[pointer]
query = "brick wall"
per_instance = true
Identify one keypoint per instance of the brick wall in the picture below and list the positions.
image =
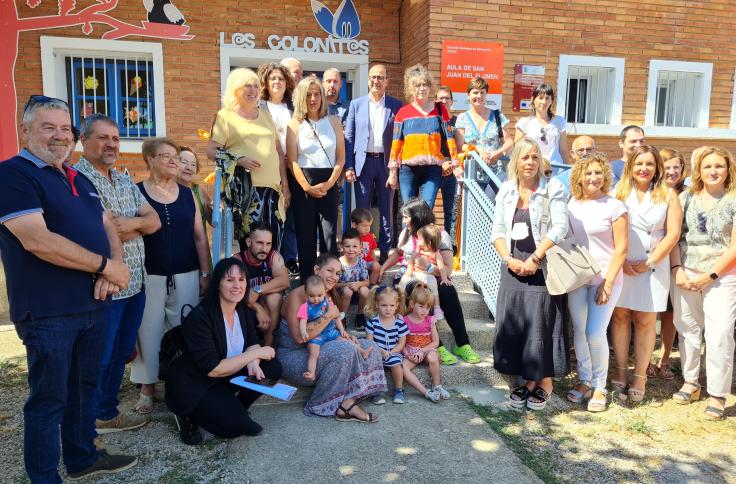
(402, 33)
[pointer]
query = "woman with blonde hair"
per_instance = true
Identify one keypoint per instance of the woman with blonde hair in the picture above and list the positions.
(529, 219)
(598, 222)
(315, 147)
(705, 278)
(247, 134)
(675, 174)
(423, 140)
(655, 217)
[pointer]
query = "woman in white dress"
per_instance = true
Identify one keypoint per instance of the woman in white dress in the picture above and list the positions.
(654, 229)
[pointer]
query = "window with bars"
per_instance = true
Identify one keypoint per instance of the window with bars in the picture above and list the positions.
(590, 90)
(590, 94)
(678, 99)
(119, 87)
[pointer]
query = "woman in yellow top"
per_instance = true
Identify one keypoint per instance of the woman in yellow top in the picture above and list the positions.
(249, 134)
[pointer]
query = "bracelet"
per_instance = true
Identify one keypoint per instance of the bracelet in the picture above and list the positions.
(505, 260)
(675, 267)
(103, 264)
(536, 258)
(204, 275)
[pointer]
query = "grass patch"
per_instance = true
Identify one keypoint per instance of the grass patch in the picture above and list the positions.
(509, 426)
(12, 375)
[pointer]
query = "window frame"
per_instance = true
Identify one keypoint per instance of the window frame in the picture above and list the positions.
(657, 65)
(618, 64)
(54, 51)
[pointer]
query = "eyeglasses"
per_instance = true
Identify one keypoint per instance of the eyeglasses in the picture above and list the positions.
(377, 78)
(582, 151)
(41, 99)
(544, 135)
(168, 157)
(702, 227)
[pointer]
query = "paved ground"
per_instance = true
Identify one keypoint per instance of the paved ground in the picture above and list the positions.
(417, 442)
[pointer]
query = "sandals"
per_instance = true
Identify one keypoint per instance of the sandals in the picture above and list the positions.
(636, 395)
(577, 396)
(349, 417)
(598, 402)
(652, 371)
(519, 396)
(715, 413)
(665, 373)
(144, 405)
(683, 398)
(618, 385)
(542, 397)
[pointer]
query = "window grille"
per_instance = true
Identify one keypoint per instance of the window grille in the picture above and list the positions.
(119, 87)
(678, 99)
(590, 92)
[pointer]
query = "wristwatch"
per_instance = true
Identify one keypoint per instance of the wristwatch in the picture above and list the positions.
(505, 260)
(258, 289)
(204, 275)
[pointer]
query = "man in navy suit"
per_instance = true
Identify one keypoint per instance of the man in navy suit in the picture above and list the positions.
(368, 134)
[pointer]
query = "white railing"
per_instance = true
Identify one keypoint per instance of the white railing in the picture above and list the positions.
(478, 256)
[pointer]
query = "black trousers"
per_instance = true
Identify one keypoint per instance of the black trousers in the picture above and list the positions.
(450, 304)
(223, 411)
(312, 215)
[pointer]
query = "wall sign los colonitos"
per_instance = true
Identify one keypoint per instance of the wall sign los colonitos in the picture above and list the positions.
(342, 26)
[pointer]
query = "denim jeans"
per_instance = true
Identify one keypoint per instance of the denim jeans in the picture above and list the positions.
(123, 320)
(423, 181)
(449, 188)
(63, 366)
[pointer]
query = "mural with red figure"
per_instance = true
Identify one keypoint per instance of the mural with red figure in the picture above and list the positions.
(164, 21)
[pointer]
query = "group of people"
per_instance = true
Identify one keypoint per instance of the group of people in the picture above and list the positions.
(121, 265)
(663, 243)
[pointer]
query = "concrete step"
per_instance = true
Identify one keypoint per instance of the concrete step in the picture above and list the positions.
(481, 332)
(473, 304)
(454, 377)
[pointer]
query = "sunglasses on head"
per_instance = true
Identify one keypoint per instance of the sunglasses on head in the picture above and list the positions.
(544, 135)
(41, 99)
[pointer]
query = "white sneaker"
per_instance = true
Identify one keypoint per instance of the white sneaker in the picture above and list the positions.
(441, 392)
(432, 396)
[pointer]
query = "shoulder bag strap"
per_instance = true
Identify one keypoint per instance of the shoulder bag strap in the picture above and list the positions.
(497, 117)
(316, 135)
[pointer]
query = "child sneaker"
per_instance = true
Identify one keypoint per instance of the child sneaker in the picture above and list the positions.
(441, 392)
(432, 396)
(378, 399)
(399, 396)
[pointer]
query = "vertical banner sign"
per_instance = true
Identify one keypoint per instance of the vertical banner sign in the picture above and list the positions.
(464, 60)
(526, 78)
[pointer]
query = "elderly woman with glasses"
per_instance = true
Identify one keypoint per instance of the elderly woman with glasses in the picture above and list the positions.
(705, 279)
(177, 261)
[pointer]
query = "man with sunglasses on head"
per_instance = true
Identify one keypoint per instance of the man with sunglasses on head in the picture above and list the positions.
(368, 135)
(63, 259)
(582, 147)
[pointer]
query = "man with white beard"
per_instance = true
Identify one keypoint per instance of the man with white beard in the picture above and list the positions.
(62, 259)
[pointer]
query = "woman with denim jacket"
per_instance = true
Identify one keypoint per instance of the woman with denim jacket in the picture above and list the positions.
(531, 338)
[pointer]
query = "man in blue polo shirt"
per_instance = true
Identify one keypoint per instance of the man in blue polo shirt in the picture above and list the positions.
(62, 259)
